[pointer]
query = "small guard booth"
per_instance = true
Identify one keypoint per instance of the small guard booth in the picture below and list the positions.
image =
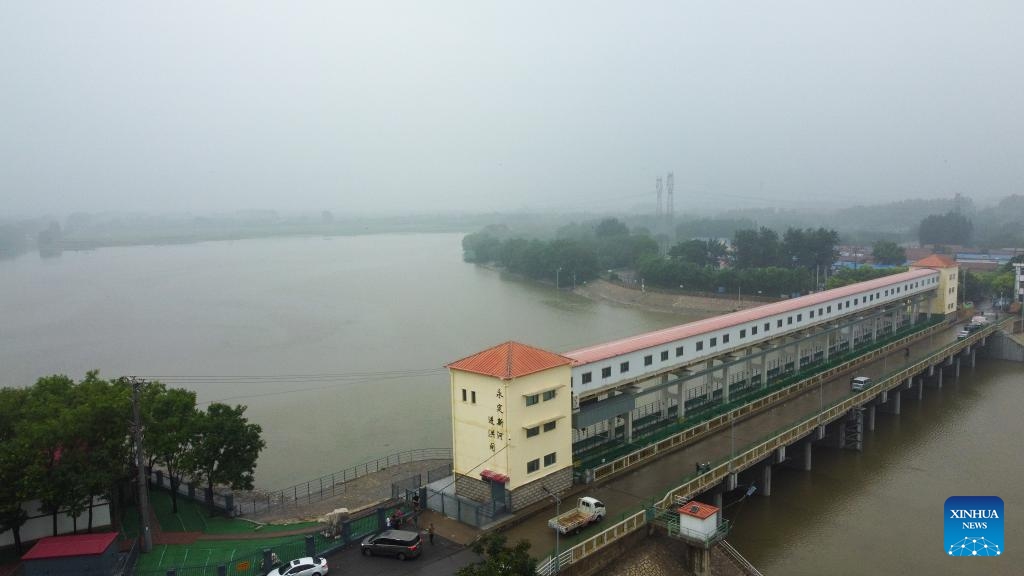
(75, 555)
(698, 521)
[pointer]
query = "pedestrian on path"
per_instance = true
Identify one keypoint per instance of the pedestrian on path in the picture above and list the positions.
(430, 533)
(387, 522)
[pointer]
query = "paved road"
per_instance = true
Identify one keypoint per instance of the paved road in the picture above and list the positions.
(654, 480)
(441, 559)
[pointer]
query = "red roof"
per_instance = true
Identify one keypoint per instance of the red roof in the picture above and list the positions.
(936, 261)
(660, 337)
(510, 360)
(698, 509)
(494, 476)
(75, 545)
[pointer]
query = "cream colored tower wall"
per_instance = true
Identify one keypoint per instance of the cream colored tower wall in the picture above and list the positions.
(471, 427)
(555, 411)
(947, 295)
(505, 419)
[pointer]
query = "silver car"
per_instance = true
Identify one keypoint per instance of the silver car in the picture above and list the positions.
(307, 566)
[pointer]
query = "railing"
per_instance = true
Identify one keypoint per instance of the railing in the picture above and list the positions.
(330, 485)
(738, 558)
(593, 544)
(690, 434)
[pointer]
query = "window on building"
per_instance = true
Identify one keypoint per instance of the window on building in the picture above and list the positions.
(549, 426)
(679, 351)
(829, 309)
(531, 432)
(767, 326)
(587, 378)
(549, 459)
(700, 345)
(799, 317)
(549, 395)
(743, 332)
(789, 320)
(532, 399)
(713, 342)
(606, 372)
(463, 394)
(855, 301)
(725, 338)
(820, 311)
(472, 397)
(753, 330)
(648, 360)
(812, 313)
(779, 324)
(623, 367)
(664, 355)
(533, 466)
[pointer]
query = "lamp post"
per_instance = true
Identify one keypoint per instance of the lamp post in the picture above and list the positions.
(558, 512)
(558, 271)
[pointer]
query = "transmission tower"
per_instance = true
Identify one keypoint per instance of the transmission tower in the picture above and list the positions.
(670, 184)
(657, 187)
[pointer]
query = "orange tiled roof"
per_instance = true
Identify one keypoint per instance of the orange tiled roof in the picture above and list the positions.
(698, 509)
(509, 360)
(936, 261)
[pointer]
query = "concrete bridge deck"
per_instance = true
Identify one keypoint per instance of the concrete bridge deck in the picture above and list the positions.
(641, 487)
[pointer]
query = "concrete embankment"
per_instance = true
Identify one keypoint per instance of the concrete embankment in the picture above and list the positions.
(690, 305)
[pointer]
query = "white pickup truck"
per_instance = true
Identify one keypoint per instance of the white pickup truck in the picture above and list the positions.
(588, 511)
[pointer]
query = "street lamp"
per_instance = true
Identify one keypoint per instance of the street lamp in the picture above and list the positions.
(557, 273)
(558, 512)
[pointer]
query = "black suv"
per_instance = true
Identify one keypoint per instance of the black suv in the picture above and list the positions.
(401, 544)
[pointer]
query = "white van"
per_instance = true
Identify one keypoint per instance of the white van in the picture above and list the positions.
(860, 383)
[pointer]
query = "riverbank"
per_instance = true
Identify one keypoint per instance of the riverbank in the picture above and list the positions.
(682, 304)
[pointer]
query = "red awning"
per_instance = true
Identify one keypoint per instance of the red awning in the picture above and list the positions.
(493, 476)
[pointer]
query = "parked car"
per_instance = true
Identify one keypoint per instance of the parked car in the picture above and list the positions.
(307, 566)
(401, 544)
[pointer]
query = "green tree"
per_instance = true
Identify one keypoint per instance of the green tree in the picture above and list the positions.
(499, 559)
(949, 228)
(610, 228)
(170, 430)
(887, 252)
(17, 463)
(225, 449)
(699, 252)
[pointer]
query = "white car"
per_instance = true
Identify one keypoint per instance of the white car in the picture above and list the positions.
(307, 566)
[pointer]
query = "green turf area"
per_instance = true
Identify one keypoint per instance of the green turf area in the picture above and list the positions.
(242, 557)
(193, 516)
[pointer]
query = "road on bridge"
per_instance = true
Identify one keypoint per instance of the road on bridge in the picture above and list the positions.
(653, 481)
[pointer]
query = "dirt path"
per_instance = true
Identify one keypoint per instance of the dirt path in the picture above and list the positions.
(688, 306)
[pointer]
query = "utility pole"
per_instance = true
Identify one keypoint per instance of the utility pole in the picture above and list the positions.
(144, 533)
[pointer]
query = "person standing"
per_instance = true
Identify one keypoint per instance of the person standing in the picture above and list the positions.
(430, 533)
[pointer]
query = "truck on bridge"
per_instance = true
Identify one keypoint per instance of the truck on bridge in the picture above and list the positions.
(587, 511)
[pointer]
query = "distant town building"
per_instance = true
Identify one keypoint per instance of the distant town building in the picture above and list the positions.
(949, 282)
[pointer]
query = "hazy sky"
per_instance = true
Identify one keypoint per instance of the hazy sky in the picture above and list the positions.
(378, 106)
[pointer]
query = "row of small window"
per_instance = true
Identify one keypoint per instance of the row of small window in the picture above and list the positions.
(548, 427)
(534, 465)
(535, 398)
(606, 372)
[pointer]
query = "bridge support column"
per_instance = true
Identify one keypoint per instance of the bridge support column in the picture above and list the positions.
(766, 480)
(920, 388)
(698, 560)
(612, 425)
(680, 402)
(627, 430)
(972, 357)
(931, 370)
(871, 417)
(958, 367)
(664, 398)
(910, 382)
(780, 454)
(940, 376)
(731, 481)
(717, 498)
(895, 399)
(808, 449)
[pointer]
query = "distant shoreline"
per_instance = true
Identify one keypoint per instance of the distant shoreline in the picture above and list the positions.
(652, 300)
